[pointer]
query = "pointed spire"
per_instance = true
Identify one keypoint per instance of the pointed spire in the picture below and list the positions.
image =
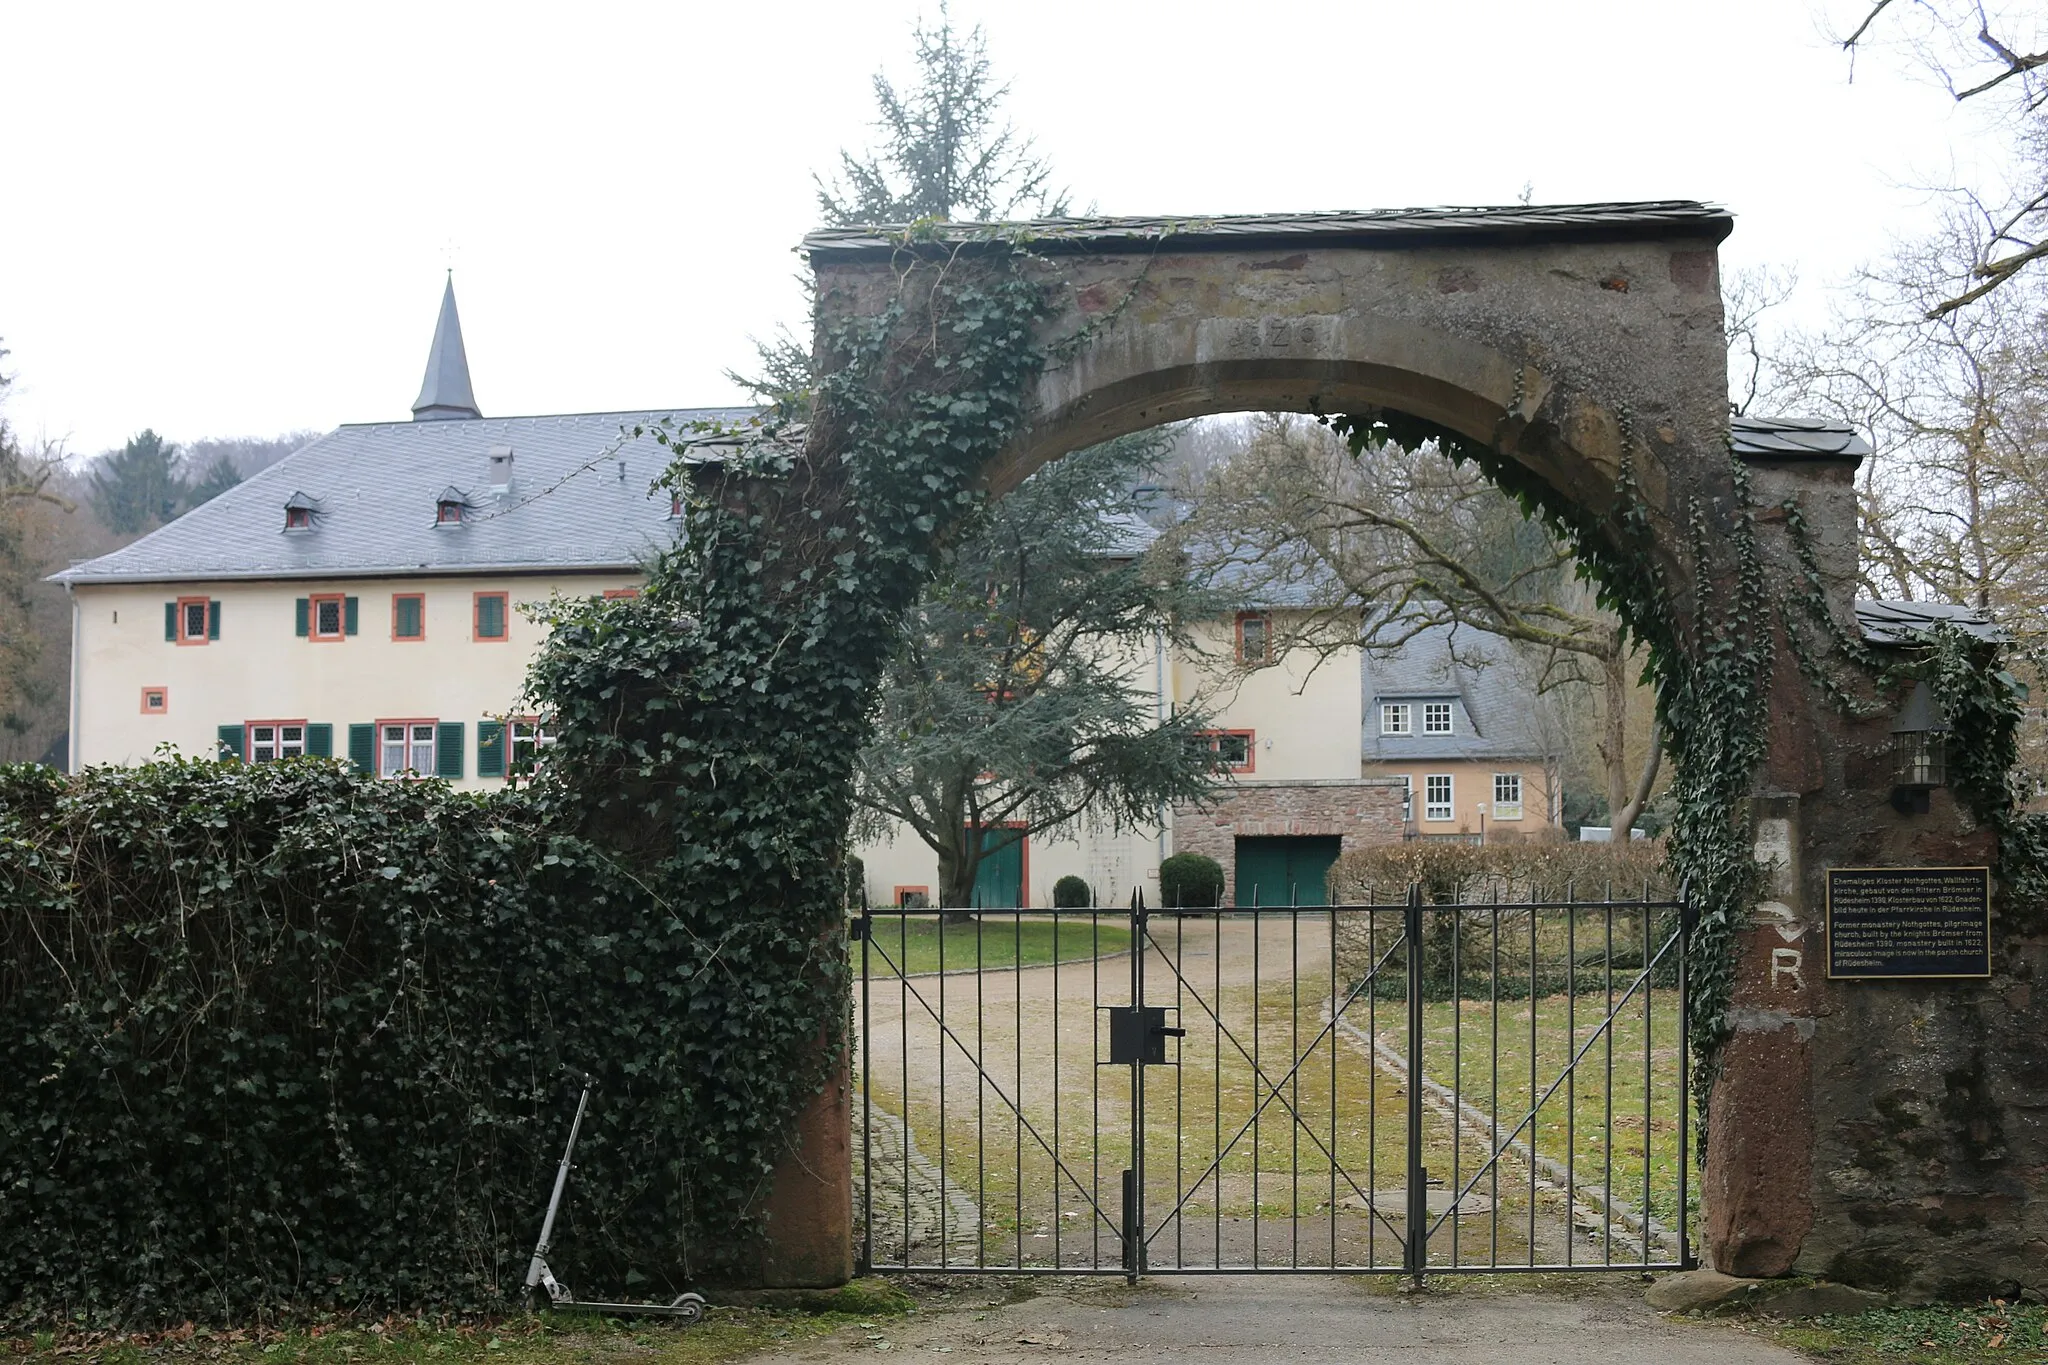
(445, 392)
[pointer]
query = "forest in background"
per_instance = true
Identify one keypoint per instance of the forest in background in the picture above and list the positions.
(57, 509)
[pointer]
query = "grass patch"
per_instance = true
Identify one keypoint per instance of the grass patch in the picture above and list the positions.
(545, 1339)
(923, 943)
(1943, 1334)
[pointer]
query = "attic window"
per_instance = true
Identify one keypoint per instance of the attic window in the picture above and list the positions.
(447, 513)
(298, 519)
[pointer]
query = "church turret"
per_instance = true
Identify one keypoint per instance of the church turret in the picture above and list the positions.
(445, 392)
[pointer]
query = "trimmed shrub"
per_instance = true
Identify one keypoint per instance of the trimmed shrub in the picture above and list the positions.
(1071, 893)
(856, 882)
(1191, 881)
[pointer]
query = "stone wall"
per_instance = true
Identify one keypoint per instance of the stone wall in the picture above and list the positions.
(1362, 813)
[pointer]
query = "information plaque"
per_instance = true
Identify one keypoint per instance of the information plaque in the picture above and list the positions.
(1888, 923)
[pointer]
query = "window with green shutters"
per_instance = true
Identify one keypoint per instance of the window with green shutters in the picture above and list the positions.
(320, 741)
(490, 616)
(230, 744)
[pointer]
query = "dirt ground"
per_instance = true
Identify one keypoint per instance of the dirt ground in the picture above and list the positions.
(1225, 1320)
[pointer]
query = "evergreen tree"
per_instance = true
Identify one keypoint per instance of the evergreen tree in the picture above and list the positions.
(137, 487)
(1023, 696)
(943, 152)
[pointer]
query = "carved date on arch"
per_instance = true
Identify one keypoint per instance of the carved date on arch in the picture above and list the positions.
(1279, 336)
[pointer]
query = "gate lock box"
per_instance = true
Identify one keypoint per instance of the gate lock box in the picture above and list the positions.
(1138, 1033)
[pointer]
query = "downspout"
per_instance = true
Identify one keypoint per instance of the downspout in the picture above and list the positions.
(77, 692)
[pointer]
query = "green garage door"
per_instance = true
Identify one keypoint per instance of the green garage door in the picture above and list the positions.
(999, 877)
(1286, 871)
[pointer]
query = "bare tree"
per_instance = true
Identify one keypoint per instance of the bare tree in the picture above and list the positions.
(1993, 56)
(1392, 542)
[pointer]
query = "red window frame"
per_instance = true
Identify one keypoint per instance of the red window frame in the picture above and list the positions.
(418, 597)
(612, 594)
(298, 519)
(1251, 747)
(476, 607)
(340, 601)
(448, 513)
(1264, 618)
(205, 605)
(163, 696)
(897, 893)
(249, 737)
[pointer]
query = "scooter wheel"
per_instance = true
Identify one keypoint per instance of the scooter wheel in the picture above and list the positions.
(688, 1307)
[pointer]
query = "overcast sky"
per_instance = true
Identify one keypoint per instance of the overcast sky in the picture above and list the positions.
(234, 220)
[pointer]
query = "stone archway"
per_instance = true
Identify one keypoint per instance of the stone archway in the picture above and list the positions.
(1568, 340)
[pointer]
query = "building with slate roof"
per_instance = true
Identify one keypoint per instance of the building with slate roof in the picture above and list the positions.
(363, 596)
(1455, 718)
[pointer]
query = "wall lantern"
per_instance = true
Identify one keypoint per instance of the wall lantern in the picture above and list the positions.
(1920, 744)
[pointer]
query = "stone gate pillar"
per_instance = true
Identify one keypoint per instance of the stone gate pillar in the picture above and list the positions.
(1886, 1134)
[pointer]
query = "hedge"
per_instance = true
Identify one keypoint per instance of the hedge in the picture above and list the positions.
(283, 1038)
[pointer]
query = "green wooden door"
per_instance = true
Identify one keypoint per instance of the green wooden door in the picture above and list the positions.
(1292, 870)
(999, 877)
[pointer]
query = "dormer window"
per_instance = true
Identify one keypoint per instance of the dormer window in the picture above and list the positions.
(298, 513)
(448, 508)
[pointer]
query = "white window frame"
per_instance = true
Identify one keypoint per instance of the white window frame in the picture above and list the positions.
(1507, 796)
(1432, 712)
(1433, 809)
(399, 755)
(284, 739)
(1396, 718)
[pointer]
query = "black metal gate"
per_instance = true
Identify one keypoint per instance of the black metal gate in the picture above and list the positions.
(1404, 1086)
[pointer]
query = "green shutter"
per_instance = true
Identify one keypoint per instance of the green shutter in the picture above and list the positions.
(448, 749)
(350, 614)
(230, 744)
(302, 616)
(362, 744)
(213, 620)
(490, 748)
(320, 741)
(171, 621)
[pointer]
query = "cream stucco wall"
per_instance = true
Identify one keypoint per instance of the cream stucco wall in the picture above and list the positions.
(1303, 709)
(262, 670)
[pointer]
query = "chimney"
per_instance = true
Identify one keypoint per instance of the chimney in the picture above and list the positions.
(501, 469)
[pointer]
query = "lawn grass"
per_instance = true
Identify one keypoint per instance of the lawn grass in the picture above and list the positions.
(915, 944)
(1941, 1334)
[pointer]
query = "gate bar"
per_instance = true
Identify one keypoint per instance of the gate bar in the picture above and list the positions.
(1415, 1238)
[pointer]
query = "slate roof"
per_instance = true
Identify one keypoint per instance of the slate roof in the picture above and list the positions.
(579, 499)
(1494, 704)
(1902, 623)
(1376, 227)
(1795, 438)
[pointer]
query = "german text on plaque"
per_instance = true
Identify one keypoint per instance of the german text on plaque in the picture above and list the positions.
(1893, 922)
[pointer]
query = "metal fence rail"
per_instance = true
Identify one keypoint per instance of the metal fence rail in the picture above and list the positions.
(1386, 1086)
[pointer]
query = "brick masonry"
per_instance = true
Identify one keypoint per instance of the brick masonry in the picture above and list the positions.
(1362, 813)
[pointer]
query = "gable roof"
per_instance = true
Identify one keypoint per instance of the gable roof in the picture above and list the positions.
(579, 500)
(1495, 707)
